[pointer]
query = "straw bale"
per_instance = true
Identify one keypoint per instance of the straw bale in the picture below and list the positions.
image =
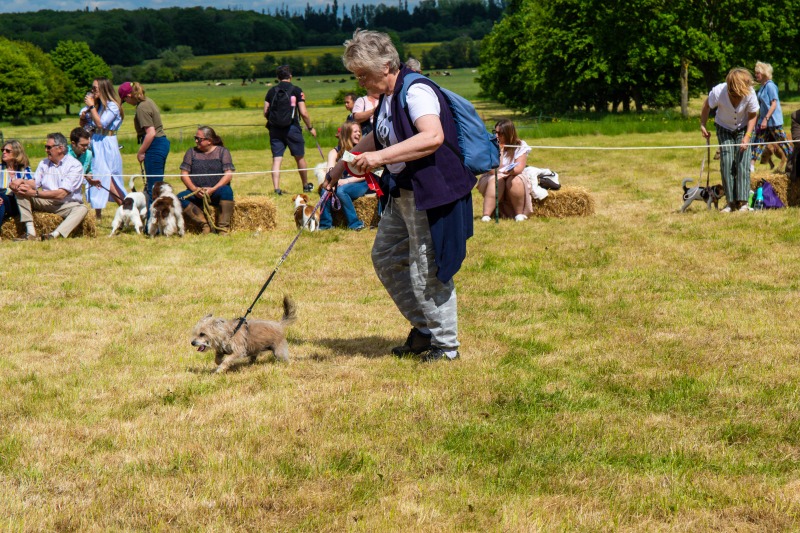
(779, 182)
(565, 202)
(252, 213)
(46, 223)
(366, 209)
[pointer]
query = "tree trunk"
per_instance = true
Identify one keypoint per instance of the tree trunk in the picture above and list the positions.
(684, 87)
(67, 111)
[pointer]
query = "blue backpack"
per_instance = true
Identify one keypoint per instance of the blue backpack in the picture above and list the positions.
(477, 148)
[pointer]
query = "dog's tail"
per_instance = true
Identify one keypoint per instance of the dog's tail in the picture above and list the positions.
(132, 183)
(319, 172)
(289, 312)
(687, 180)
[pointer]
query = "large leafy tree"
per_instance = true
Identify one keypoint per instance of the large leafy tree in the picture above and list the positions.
(558, 55)
(22, 88)
(54, 79)
(81, 67)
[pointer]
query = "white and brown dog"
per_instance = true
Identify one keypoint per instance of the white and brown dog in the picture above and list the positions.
(166, 213)
(710, 195)
(254, 337)
(303, 213)
(131, 213)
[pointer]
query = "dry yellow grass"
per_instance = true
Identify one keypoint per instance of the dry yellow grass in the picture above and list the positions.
(633, 370)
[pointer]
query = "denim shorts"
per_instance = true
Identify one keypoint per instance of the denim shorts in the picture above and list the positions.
(280, 138)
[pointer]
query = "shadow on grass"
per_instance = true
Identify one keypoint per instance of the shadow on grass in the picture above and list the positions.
(370, 347)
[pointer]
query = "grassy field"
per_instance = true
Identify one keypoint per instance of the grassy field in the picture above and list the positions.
(244, 125)
(636, 370)
(310, 54)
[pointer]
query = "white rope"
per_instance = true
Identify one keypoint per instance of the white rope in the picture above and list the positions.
(539, 147)
(610, 148)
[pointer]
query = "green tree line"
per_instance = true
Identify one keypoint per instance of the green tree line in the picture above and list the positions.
(128, 37)
(596, 55)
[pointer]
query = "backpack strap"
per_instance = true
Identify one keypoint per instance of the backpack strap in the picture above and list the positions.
(408, 81)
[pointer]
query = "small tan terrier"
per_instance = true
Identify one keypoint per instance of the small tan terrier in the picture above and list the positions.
(254, 337)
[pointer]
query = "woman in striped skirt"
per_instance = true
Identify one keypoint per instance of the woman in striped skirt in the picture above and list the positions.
(737, 111)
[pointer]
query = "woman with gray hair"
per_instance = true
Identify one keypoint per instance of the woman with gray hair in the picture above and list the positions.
(769, 126)
(427, 201)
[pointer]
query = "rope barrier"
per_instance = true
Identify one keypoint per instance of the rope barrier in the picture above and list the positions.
(538, 147)
(611, 148)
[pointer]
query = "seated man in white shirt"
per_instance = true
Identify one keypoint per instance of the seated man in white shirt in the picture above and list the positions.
(56, 188)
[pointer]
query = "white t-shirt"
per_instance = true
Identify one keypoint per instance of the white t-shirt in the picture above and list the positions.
(506, 161)
(363, 104)
(730, 117)
(421, 101)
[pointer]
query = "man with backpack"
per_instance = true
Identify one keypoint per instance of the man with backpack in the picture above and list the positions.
(284, 106)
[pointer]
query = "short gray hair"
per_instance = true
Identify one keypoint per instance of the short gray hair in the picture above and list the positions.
(370, 50)
(58, 139)
(413, 64)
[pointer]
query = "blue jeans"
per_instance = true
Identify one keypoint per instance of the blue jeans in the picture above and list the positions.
(223, 193)
(346, 194)
(9, 207)
(155, 159)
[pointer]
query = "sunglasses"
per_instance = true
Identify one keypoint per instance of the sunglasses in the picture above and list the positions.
(198, 139)
(49, 146)
(8, 151)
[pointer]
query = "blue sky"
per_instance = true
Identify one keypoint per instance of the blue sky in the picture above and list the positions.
(268, 5)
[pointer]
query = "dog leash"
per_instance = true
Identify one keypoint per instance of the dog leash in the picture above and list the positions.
(109, 192)
(206, 209)
(708, 168)
(319, 205)
(319, 148)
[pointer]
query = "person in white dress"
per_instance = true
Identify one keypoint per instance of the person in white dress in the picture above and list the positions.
(104, 115)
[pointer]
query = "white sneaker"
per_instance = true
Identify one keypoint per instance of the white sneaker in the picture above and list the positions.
(745, 207)
(726, 209)
(520, 218)
(486, 218)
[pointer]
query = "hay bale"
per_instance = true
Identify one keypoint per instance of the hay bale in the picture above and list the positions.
(366, 209)
(779, 182)
(565, 202)
(46, 223)
(252, 213)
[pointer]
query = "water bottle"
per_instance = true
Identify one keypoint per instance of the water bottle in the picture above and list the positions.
(758, 204)
(751, 199)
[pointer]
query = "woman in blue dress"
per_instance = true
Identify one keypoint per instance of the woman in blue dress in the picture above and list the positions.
(104, 112)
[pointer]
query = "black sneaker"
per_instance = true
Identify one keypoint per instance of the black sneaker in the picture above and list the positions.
(417, 342)
(278, 192)
(308, 187)
(435, 354)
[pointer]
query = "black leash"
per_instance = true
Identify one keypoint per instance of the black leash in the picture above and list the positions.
(320, 205)
(708, 168)
(109, 192)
